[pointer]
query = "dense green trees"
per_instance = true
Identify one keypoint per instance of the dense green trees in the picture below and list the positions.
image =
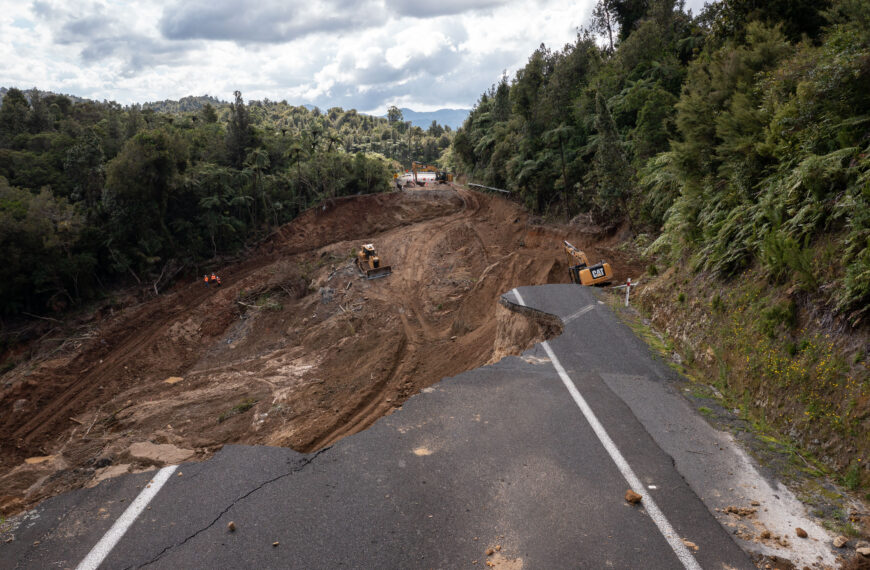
(91, 192)
(737, 137)
(240, 132)
(41, 263)
(13, 115)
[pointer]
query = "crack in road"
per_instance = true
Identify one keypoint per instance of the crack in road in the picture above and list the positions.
(305, 463)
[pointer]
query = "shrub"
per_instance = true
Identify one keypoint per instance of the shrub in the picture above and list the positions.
(772, 317)
(783, 256)
(852, 477)
(239, 408)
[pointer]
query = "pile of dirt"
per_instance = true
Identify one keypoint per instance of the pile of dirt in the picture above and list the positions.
(296, 349)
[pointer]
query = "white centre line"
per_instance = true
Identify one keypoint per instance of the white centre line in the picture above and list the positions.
(649, 504)
(102, 549)
(579, 313)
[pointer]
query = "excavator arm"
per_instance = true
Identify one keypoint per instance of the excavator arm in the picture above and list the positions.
(576, 256)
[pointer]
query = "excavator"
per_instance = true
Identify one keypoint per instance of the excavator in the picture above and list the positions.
(440, 175)
(423, 173)
(420, 174)
(369, 264)
(580, 271)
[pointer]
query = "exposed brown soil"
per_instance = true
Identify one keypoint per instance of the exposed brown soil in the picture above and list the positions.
(296, 349)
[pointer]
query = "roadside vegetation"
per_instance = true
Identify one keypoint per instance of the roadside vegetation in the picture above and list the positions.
(796, 407)
(735, 145)
(772, 357)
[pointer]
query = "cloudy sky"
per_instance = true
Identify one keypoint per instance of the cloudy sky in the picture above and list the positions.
(363, 54)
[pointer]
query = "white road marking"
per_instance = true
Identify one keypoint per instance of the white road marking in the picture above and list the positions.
(579, 313)
(649, 504)
(102, 549)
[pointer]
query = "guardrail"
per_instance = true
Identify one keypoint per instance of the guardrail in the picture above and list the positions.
(490, 188)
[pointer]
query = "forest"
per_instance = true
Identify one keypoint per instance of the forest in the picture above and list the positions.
(737, 138)
(94, 195)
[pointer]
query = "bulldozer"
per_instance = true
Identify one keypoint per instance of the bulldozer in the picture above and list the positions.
(369, 264)
(444, 176)
(581, 272)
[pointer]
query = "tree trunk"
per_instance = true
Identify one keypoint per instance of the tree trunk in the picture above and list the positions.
(564, 180)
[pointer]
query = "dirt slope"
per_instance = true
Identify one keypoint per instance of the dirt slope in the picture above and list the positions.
(296, 349)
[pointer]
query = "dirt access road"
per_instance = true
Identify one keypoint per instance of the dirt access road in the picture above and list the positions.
(296, 349)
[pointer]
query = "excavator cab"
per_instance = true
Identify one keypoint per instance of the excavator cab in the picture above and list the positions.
(581, 272)
(369, 264)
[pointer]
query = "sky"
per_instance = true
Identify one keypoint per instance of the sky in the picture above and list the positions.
(362, 54)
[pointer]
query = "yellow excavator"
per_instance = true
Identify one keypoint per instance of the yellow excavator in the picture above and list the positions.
(440, 175)
(369, 264)
(581, 272)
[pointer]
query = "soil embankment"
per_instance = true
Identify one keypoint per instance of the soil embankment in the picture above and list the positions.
(296, 349)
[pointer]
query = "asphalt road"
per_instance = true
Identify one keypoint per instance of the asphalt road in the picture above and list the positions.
(501, 456)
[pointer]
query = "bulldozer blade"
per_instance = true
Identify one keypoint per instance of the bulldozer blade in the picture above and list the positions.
(378, 272)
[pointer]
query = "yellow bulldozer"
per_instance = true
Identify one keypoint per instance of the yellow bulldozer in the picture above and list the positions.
(581, 272)
(369, 264)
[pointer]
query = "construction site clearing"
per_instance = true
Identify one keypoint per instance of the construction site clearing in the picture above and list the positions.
(296, 349)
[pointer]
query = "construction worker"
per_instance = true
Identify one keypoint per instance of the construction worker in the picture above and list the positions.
(215, 279)
(205, 279)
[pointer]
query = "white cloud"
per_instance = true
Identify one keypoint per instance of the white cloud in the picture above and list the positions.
(366, 54)
(265, 21)
(427, 8)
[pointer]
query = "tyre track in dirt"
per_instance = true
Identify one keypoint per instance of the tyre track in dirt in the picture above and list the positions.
(366, 412)
(463, 219)
(373, 405)
(85, 380)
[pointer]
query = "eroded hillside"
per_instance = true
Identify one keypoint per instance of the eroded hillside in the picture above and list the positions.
(295, 349)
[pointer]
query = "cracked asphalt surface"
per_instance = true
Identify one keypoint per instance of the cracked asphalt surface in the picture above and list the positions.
(498, 456)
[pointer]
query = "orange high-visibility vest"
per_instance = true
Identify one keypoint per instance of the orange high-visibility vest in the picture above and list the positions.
(205, 278)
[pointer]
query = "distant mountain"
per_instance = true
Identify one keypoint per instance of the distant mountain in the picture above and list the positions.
(452, 118)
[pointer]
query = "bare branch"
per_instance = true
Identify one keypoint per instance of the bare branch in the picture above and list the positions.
(43, 318)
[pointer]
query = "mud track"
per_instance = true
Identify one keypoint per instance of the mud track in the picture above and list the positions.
(296, 349)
